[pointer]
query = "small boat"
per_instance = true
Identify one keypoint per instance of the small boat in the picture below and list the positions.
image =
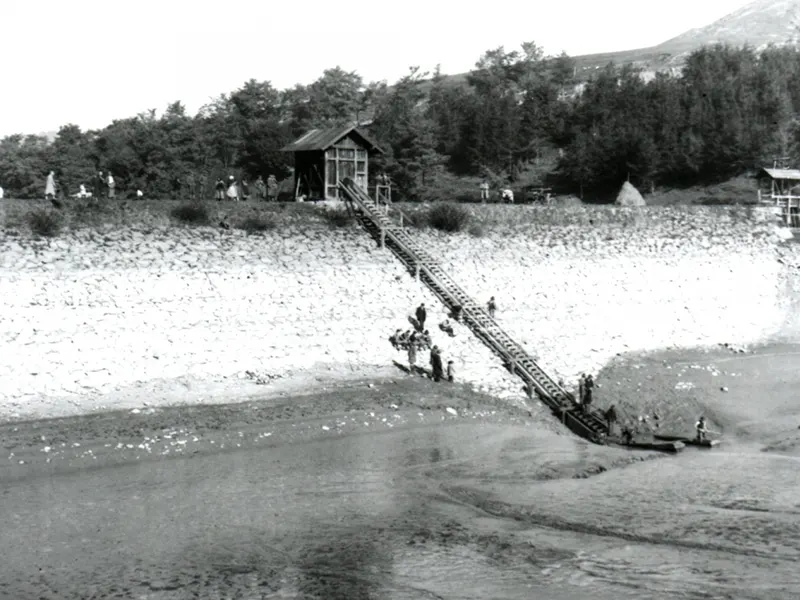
(659, 445)
(689, 441)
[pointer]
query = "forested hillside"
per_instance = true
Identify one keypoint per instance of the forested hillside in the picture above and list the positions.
(517, 118)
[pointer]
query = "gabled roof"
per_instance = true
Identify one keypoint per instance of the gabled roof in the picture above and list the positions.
(790, 174)
(322, 139)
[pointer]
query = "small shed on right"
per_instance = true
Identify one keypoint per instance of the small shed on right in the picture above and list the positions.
(780, 187)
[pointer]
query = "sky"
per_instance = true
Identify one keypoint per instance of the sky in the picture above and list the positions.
(88, 62)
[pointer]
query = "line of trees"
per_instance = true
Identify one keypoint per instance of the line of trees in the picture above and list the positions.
(519, 116)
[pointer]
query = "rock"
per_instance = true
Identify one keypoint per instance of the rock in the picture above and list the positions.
(452, 411)
(723, 389)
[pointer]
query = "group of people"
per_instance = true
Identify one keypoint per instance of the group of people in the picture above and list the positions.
(401, 340)
(420, 339)
(237, 191)
(103, 185)
(506, 194)
(585, 391)
(413, 341)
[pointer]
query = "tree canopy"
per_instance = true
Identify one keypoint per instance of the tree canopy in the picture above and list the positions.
(519, 116)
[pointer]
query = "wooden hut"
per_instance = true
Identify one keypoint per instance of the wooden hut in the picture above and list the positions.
(780, 187)
(323, 157)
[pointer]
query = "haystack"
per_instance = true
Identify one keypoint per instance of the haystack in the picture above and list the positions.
(629, 196)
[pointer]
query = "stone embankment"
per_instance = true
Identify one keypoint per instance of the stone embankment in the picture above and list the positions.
(120, 319)
(616, 281)
(116, 319)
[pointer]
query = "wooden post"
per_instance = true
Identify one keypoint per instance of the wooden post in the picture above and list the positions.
(383, 237)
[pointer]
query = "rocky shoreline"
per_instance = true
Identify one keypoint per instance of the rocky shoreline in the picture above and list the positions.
(109, 318)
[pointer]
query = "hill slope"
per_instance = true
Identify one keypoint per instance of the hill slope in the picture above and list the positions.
(758, 24)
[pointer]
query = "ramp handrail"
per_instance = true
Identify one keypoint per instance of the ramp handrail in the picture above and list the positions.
(475, 316)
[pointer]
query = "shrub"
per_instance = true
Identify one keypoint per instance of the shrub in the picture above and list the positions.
(448, 217)
(338, 217)
(258, 224)
(476, 230)
(467, 197)
(89, 212)
(45, 223)
(191, 214)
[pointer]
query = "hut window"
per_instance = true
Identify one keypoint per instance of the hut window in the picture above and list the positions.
(347, 169)
(361, 154)
(361, 167)
(331, 172)
(346, 154)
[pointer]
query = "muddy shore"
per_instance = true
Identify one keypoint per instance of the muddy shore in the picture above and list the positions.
(50, 446)
(674, 386)
(466, 488)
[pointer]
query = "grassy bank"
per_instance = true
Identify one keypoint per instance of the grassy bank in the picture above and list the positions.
(38, 218)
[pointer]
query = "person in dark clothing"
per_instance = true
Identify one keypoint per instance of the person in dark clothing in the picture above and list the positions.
(702, 430)
(451, 371)
(99, 186)
(447, 327)
(415, 340)
(436, 364)
(627, 434)
(219, 189)
(492, 307)
(245, 188)
(611, 417)
(588, 388)
(422, 314)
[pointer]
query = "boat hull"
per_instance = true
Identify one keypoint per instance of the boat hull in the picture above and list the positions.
(657, 445)
(688, 441)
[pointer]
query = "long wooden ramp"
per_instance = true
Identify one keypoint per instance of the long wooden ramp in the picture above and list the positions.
(376, 220)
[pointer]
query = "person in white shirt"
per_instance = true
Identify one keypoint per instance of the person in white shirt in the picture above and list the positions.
(50, 186)
(508, 196)
(111, 186)
(1, 193)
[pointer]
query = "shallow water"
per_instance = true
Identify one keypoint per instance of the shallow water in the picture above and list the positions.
(437, 512)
